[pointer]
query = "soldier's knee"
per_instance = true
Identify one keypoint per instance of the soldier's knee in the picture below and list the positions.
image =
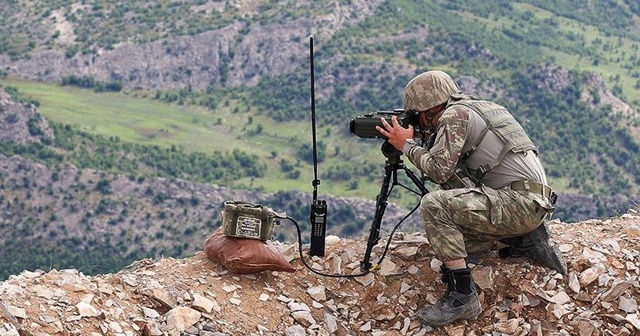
(431, 200)
(430, 206)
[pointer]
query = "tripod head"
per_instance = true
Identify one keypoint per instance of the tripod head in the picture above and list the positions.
(391, 153)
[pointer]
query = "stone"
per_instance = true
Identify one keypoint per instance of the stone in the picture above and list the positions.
(483, 277)
(574, 283)
(628, 305)
(589, 275)
(86, 310)
(331, 240)
(202, 304)
(317, 293)
(617, 288)
(181, 318)
(512, 293)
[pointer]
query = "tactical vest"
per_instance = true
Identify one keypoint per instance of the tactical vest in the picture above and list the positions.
(502, 124)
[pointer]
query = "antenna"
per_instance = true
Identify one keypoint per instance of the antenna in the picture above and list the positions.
(318, 213)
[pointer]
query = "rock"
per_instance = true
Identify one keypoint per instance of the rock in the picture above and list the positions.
(86, 310)
(617, 288)
(17, 312)
(628, 305)
(507, 327)
(317, 293)
(387, 267)
(150, 313)
(181, 318)
(331, 240)
(202, 304)
(330, 322)
(483, 277)
(561, 298)
(574, 283)
(589, 275)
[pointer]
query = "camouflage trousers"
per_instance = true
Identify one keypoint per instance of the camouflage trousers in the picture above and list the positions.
(469, 220)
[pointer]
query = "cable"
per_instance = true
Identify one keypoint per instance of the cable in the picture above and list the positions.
(386, 249)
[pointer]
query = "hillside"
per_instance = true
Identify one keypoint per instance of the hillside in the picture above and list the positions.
(73, 214)
(195, 296)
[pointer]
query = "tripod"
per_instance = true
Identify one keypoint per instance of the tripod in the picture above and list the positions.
(393, 163)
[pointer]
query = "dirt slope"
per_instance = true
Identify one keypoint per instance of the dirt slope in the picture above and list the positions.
(195, 296)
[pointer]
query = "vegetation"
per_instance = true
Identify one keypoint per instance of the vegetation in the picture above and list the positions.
(90, 83)
(518, 36)
(491, 41)
(85, 150)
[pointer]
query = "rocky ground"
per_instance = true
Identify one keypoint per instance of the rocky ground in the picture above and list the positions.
(195, 296)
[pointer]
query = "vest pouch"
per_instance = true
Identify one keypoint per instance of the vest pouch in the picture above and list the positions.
(248, 220)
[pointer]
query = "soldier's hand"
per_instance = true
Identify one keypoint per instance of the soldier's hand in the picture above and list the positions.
(396, 134)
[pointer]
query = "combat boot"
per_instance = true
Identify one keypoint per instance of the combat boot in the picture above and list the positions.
(459, 302)
(536, 245)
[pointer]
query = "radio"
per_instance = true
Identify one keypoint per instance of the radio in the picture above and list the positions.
(248, 220)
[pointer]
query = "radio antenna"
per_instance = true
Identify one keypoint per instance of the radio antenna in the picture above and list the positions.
(318, 213)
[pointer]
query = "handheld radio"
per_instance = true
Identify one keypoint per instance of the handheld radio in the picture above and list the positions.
(318, 227)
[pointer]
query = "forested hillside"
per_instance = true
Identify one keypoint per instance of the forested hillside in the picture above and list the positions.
(217, 92)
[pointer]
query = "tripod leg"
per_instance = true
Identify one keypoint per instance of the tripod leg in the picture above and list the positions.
(390, 174)
(381, 206)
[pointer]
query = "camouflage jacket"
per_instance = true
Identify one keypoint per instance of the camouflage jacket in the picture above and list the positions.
(462, 132)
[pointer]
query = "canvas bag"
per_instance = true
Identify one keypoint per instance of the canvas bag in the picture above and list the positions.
(244, 256)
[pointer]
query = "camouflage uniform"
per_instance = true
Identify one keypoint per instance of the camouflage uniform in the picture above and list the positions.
(457, 218)
(483, 159)
(474, 217)
(465, 220)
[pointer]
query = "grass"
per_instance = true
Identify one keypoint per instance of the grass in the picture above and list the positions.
(132, 119)
(193, 128)
(147, 121)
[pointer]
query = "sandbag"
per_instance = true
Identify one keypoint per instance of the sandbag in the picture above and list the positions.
(244, 256)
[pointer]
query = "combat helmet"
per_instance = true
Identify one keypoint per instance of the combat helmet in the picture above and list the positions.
(429, 89)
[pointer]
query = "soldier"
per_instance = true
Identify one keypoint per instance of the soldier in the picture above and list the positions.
(494, 187)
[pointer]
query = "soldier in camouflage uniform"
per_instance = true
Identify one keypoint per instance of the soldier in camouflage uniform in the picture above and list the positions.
(494, 186)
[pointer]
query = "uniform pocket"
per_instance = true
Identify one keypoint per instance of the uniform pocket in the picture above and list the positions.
(480, 204)
(496, 204)
(544, 204)
(466, 199)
